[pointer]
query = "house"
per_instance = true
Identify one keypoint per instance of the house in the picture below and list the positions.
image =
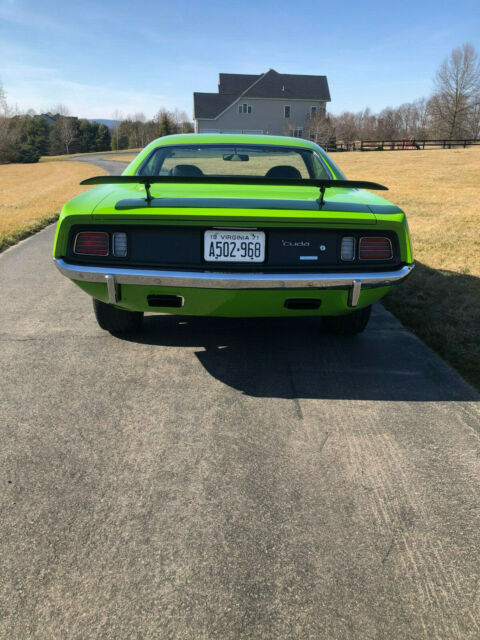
(272, 102)
(49, 118)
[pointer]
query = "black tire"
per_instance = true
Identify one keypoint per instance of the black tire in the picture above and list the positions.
(116, 320)
(348, 325)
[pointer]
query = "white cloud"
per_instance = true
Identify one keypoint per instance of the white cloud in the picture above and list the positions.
(41, 88)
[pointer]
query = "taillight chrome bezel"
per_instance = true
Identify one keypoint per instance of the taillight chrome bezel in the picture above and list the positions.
(382, 259)
(94, 254)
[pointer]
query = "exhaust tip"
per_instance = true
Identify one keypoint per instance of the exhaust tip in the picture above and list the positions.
(302, 303)
(165, 301)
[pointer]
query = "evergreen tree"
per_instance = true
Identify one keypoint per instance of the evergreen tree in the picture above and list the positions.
(55, 144)
(122, 135)
(87, 134)
(103, 139)
(166, 127)
(36, 135)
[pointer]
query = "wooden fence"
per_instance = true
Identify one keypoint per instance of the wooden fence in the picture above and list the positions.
(399, 145)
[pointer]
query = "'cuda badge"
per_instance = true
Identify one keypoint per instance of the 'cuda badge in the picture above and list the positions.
(290, 243)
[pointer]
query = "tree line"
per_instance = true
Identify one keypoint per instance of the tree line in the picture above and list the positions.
(451, 112)
(27, 137)
(136, 131)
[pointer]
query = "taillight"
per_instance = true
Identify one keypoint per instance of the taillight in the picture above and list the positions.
(91, 243)
(375, 249)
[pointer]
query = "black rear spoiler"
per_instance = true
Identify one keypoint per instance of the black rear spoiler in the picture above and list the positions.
(147, 182)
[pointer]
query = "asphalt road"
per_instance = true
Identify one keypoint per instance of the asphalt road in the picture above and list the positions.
(113, 167)
(228, 479)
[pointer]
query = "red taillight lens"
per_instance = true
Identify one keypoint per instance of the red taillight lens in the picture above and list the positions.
(375, 249)
(91, 243)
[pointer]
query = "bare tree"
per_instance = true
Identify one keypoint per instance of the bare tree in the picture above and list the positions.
(7, 130)
(3, 102)
(346, 126)
(117, 116)
(475, 121)
(172, 117)
(367, 124)
(389, 124)
(321, 129)
(140, 129)
(180, 120)
(67, 131)
(457, 91)
(407, 118)
(422, 118)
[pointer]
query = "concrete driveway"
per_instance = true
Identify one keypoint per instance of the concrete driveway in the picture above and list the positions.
(228, 479)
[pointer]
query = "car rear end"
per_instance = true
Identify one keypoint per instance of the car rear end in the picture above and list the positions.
(280, 266)
(234, 250)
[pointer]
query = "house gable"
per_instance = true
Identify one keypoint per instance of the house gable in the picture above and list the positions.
(270, 85)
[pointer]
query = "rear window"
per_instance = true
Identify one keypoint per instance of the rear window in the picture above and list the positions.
(234, 160)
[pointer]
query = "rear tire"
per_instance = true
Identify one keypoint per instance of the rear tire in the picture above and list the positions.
(348, 325)
(116, 320)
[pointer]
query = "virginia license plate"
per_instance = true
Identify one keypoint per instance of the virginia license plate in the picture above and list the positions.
(234, 246)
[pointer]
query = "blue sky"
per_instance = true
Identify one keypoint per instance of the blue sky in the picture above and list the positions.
(98, 57)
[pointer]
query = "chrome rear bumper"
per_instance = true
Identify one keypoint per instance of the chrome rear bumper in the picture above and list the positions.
(112, 276)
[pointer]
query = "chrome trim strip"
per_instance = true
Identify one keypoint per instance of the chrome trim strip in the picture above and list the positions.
(231, 280)
(111, 289)
(354, 293)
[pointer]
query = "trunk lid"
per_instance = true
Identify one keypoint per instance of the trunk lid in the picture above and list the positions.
(238, 204)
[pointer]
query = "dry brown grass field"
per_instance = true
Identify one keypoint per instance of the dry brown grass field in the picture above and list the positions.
(31, 195)
(439, 190)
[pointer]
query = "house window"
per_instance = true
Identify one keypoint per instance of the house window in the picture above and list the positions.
(245, 108)
(298, 132)
(313, 111)
(286, 111)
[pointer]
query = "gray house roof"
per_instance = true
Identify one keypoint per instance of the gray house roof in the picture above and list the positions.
(266, 85)
(235, 83)
(209, 105)
(49, 118)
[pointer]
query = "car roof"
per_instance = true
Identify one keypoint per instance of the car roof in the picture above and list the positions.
(231, 138)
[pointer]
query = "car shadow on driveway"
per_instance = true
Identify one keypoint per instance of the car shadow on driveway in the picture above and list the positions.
(293, 358)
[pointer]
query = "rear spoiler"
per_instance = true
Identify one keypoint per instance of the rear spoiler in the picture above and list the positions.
(147, 182)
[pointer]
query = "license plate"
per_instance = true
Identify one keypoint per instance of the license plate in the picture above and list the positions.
(234, 246)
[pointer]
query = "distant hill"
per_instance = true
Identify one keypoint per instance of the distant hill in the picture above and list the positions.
(111, 124)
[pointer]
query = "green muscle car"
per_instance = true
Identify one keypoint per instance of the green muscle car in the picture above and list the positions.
(233, 225)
